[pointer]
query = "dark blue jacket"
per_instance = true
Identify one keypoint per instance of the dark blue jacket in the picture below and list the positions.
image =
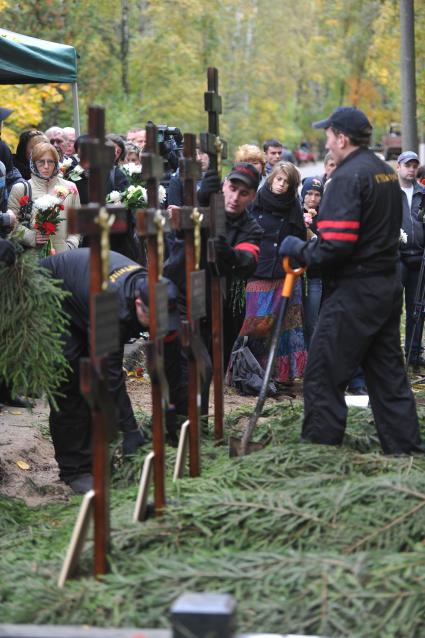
(276, 224)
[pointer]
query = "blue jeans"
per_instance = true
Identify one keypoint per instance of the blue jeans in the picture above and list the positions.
(409, 280)
(311, 301)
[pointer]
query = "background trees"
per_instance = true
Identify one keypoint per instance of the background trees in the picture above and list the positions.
(281, 64)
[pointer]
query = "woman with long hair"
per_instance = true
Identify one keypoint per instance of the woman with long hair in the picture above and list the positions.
(278, 211)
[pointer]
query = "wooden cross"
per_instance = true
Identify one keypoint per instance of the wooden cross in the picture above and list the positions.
(97, 220)
(216, 148)
(189, 220)
(150, 224)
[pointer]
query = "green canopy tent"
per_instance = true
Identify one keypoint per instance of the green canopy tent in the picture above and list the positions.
(28, 60)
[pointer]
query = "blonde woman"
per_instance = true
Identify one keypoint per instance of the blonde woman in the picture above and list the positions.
(45, 180)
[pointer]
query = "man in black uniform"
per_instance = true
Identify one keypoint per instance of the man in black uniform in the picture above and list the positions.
(359, 322)
(70, 425)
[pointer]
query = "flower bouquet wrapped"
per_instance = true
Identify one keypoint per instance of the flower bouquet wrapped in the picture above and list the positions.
(48, 210)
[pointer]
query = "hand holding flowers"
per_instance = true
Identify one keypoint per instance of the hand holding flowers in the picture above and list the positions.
(48, 210)
(308, 216)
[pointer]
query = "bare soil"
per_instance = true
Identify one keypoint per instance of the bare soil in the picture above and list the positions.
(28, 469)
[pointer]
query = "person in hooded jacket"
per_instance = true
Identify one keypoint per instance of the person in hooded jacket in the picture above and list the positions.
(45, 180)
(278, 211)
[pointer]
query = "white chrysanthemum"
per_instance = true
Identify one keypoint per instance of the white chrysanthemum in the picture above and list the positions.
(403, 237)
(67, 162)
(46, 201)
(131, 189)
(162, 194)
(132, 168)
(114, 197)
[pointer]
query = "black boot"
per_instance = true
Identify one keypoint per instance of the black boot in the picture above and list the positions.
(171, 427)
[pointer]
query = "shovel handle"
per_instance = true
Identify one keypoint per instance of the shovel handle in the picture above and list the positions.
(291, 277)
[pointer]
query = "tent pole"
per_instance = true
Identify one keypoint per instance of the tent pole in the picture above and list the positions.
(76, 109)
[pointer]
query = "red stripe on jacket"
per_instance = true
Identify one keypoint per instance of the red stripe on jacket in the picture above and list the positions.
(340, 236)
(337, 224)
(251, 248)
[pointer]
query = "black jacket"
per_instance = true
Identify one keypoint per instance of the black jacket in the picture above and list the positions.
(411, 252)
(72, 267)
(359, 220)
(243, 236)
(278, 217)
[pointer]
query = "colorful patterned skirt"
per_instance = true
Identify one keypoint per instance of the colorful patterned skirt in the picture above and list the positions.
(263, 299)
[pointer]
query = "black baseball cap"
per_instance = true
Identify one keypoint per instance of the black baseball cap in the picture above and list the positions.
(346, 119)
(246, 173)
(142, 290)
(4, 113)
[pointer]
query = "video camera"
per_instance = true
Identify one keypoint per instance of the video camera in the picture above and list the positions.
(170, 141)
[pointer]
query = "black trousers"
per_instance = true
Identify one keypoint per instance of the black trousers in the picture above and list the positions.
(175, 366)
(70, 427)
(359, 324)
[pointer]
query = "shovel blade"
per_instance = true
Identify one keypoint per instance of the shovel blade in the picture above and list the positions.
(235, 445)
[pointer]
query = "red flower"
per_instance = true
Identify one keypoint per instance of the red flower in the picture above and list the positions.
(61, 206)
(36, 226)
(49, 228)
(24, 200)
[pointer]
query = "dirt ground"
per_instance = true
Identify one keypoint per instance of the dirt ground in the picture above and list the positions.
(28, 469)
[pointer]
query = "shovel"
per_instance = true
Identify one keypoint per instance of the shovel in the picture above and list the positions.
(240, 447)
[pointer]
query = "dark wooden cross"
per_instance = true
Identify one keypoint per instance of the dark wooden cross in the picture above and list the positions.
(96, 221)
(150, 224)
(189, 220)
(216, 148)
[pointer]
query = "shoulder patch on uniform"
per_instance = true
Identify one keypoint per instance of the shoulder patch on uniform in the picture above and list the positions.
(381, 178)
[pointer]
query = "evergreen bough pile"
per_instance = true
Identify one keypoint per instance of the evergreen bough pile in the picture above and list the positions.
(309, 539)
(32, 329)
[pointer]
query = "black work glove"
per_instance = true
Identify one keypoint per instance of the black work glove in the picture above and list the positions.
(209, 185)
(7, 252)
(132, 441)
(291, 247)
(225, 254)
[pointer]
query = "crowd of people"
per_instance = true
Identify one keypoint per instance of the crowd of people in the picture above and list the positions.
(358, 227)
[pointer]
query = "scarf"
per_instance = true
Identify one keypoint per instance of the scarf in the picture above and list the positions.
(35, 170)
(271, 202)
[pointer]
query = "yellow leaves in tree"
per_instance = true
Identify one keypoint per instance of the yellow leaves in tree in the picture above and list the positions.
(27, 102)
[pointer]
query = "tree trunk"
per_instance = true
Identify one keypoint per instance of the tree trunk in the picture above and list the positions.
(124, 46)
(409, 125)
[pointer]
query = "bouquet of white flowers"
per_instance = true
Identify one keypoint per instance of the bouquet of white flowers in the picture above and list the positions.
(134, 173)
(134, 197)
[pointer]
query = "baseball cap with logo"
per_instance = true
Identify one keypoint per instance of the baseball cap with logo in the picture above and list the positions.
(142, 290)
(346, 119)
(246, 173)
(406, 156)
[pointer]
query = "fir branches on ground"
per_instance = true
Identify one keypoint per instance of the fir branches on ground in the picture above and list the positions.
(309, 539)
(32, 329)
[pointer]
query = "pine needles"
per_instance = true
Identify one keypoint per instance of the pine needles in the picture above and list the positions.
(32, 329)
(309, 539)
